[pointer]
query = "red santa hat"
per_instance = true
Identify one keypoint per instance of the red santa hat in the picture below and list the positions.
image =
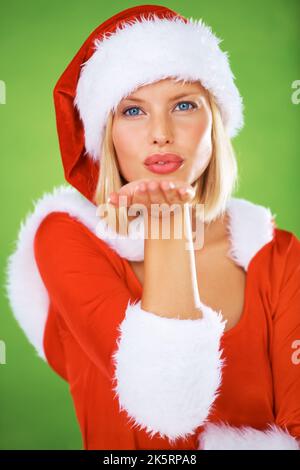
(135, 47)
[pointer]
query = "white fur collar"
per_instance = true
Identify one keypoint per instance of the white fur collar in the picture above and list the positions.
(251, 227)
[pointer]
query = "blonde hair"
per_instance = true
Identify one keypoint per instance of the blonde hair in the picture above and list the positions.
(213, 188)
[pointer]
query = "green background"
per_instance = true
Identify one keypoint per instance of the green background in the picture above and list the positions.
(38, 39)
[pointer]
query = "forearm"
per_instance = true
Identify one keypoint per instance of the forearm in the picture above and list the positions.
(165, 334)
(170, 279)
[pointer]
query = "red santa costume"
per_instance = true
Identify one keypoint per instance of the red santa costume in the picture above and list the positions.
(139, 380)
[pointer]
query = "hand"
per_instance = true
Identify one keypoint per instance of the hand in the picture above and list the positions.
(147, 192)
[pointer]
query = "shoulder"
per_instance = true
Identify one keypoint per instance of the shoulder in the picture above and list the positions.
(61, 240)
(272, 252)
(73, 212)
(286, 242)
(251, 228)
(62, 215)
(59, 226)
(286, 250)
(277, 265)
(54, 240)
(284, 273)
(63, 206)
(256, 238)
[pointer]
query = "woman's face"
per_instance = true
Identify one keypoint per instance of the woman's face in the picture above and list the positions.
(164, 117)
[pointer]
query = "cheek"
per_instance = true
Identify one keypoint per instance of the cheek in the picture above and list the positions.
(196, 126)
(198, 143)
(120, 137)
(196, 133)
(201, 129)
(126, 147)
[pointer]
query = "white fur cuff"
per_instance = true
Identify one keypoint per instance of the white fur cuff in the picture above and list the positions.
(225, 437)
(168, 370)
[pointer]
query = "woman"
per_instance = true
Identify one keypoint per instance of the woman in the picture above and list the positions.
(166, 344)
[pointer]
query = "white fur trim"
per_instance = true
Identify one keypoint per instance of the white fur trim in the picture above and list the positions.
(25, 290)
(168, 370)
(250, 228)
(142, 52)
(224, 437)
(129, 246)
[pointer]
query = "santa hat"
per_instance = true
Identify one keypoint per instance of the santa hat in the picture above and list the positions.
(135, 47)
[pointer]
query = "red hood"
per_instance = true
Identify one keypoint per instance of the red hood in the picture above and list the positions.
(79, 169)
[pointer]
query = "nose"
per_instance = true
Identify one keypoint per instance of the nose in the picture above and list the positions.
(161, 131)
(161, 140)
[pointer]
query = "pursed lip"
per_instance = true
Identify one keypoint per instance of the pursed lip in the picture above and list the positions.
(162, 157)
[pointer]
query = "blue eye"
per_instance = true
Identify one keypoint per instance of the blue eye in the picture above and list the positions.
(180, 103)
(129, 109)
(187, 102)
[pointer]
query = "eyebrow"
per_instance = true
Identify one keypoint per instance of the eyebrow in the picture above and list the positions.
(181, 95)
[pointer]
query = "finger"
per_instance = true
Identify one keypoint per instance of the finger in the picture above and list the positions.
(158, 201)
(170, 191)
(113, 198)
(140, 196)
(186, 194)
(155, 193)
